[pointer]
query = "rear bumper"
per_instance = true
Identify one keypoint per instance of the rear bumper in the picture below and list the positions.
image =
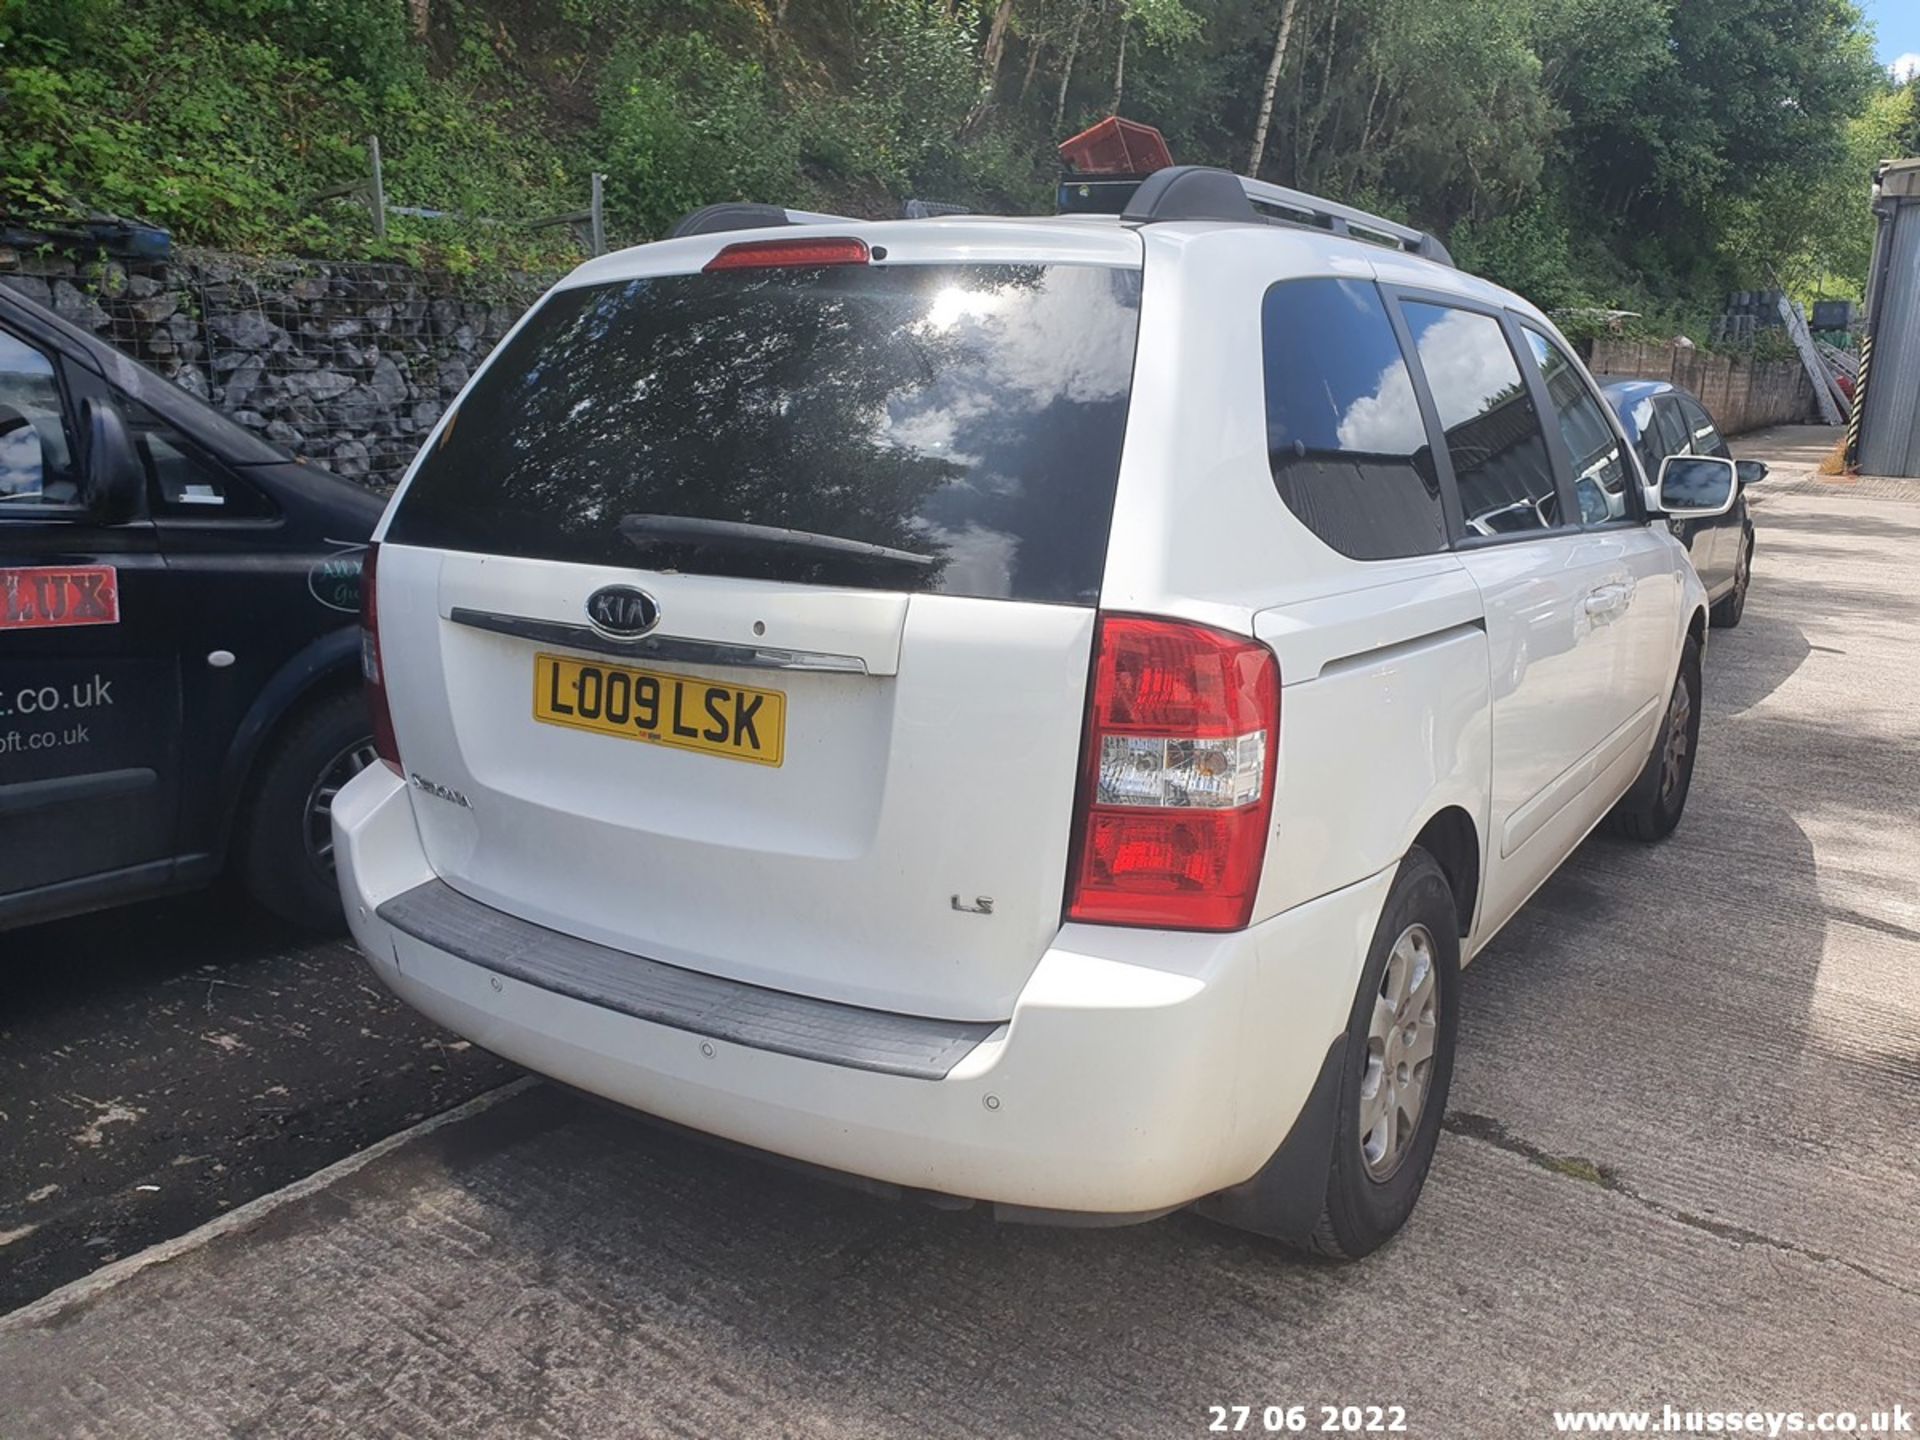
(1140, 1070)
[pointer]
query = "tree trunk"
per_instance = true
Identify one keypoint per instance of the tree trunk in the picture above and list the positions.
(1120, 65)
(417, 17)
(1273, 83)
(996, 43)
(1034, 47)
(1373, 100)
(1305, 144)
(990, 58)
(1066, 63)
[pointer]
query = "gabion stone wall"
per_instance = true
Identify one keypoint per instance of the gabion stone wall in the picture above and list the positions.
(346, 364)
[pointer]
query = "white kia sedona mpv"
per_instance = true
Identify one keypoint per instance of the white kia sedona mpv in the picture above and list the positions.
(1036, 711)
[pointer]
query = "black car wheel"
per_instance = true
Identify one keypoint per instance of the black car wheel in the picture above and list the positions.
(1399, 1063)
(1651, 810)
(286, 835)
(1726, 614)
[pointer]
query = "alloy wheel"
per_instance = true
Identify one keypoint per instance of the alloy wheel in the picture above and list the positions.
(1401, 1038)
(1673, 757)
(317, 821)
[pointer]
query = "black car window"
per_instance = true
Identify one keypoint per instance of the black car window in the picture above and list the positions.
(1599, 460)
(183, 483)
(1672, 426)
(1647, 442)
(1499, 451)
(36, 454)
(1345, 439)
(1702, 434)
(971, 415)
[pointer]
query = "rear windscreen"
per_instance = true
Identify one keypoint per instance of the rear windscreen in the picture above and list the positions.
(970, 416)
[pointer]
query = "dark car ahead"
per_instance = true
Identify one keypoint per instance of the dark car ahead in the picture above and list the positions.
(179, 648)
(1661, 420)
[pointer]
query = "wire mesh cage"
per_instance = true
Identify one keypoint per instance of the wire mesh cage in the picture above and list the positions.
(347, 364)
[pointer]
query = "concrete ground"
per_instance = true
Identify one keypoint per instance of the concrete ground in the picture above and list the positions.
(1679, 1168)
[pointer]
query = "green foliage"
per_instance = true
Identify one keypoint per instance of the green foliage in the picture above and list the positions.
(217, 119)
(1530, 250)
(683, 123)
(1642, 155)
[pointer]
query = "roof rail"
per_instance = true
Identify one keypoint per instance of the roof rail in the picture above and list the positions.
(1202, 192)
(744, 215)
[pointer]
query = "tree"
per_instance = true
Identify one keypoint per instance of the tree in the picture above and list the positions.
(992, 53)
(1819, 235)
(1081, 9)
(1274, 66)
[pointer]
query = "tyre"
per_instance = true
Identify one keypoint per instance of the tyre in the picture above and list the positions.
(1727, 612)
(285, 836)
(1652, 809)
(1398, 1065)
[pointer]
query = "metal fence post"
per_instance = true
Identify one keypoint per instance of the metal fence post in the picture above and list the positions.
(379, 197)
(596, 223)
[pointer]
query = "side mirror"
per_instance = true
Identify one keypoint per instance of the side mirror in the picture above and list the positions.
(1697, 487)
(114, 475)
(1752, 472)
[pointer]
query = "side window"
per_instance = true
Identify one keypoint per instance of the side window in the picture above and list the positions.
(181, 482)
(1651, 445)
(1703, 435)
(36, 458)
(1672, 426)
(1493, 433)
(1344, 435)
(1599, 462)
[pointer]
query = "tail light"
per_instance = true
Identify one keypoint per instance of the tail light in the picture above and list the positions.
(371, 670)
(1176, 797)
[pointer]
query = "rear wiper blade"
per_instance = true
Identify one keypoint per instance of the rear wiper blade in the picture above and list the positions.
(646, 530)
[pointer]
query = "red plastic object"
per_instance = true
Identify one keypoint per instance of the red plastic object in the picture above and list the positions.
(789, 254)
(1116, 147)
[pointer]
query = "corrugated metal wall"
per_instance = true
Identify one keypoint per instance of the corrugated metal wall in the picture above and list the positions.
(1890, 431)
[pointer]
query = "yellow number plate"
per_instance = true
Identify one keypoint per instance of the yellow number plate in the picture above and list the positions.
(677, 710)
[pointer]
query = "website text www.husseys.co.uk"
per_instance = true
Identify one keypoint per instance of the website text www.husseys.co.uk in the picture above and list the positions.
(1672, 1420)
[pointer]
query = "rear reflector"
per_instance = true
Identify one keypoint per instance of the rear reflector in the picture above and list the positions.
(1176, 799)
(790, 254)
(371, 671)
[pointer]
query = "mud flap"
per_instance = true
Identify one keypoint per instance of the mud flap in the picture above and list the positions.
(1285, 1197)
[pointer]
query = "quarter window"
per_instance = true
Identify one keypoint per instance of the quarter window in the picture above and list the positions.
(1599, 463)
(36, 461)
(182, 482)
(1498, 449)
(1345, 439)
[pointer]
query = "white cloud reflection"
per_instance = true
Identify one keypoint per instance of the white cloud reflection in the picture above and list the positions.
(21, 469)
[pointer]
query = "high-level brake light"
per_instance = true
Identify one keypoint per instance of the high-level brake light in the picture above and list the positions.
(790, 254)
